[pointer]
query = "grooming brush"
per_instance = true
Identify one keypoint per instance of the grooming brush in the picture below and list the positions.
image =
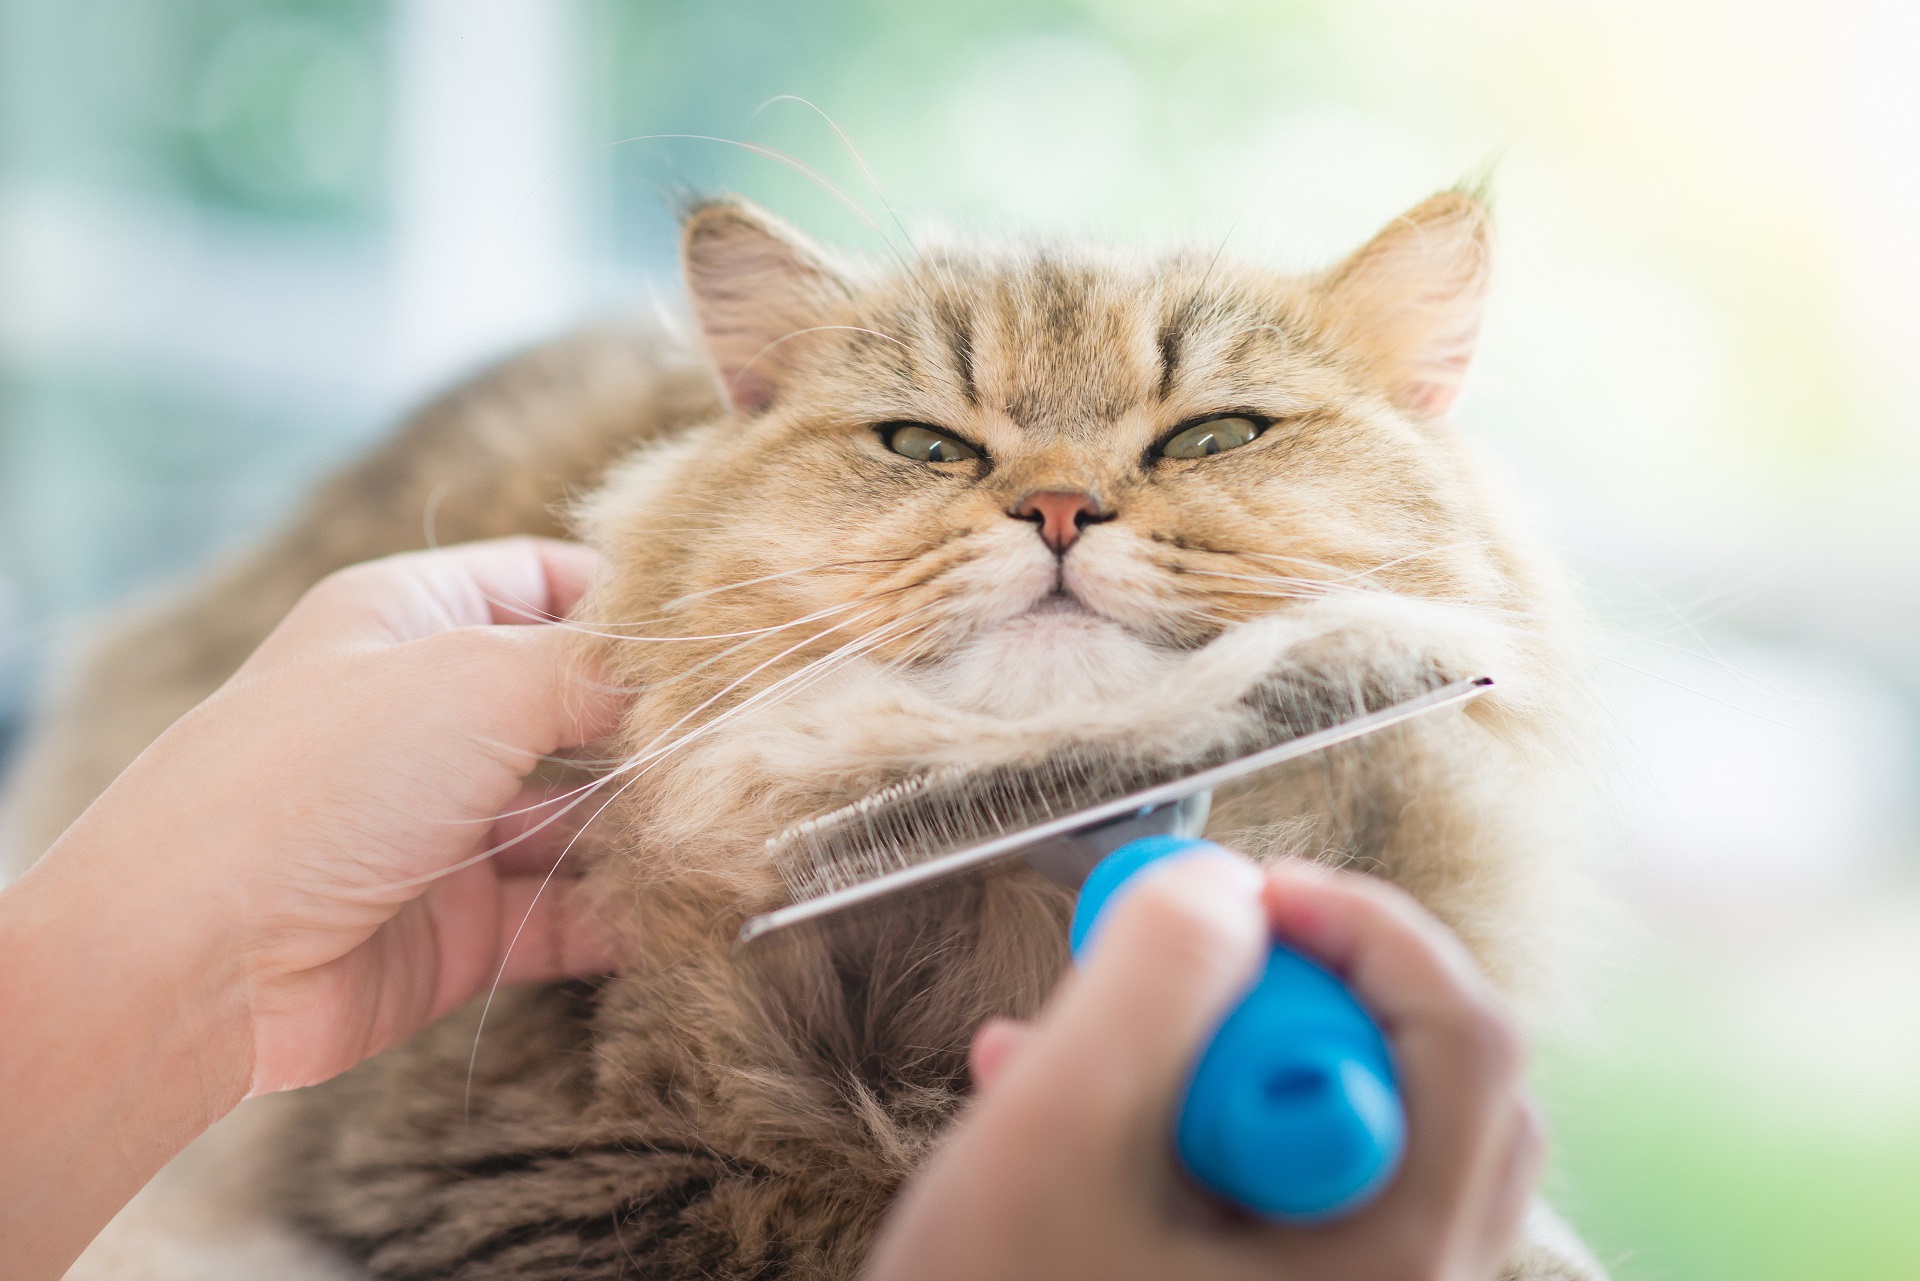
(1291, 1112)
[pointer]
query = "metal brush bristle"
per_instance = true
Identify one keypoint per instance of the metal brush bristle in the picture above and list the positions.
(928, 815)
(936, 813)
(1058, 816)
(939, 812)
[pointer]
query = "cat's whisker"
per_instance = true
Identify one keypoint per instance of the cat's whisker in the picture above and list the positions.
(493, 989)
(603, 630)
(1308, 561)
(579, 794)
(736, 682)
(1711, 656)
(642, 762)
(1280, 595)
(653, 748)
(735, 648)
(734, 381)
(1339, 575)
(1294, 588)
(866, 645)
(572, 799)
(679, 601)
(866, 171)
(844, 653)
(749, 633)
(868, 640)
(1309, 584)
(638, 767)
(768, 153)
(1464, 544)
(731, 713)
(1745, 711)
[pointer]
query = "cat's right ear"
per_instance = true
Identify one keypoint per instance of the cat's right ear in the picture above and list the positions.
(757, 286)
(1408, 303)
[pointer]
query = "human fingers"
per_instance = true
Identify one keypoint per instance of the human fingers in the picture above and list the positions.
(469, 931)
(548, 930)
(1510, 1192)
(521, 693)
(993, 1047)
(545, 827)
(1475, 1230)
(1458, 1051)
(1065, 1166)
(1399, 958)
(500, 581)
(484, 929)
(415, 594)
(1169, 955)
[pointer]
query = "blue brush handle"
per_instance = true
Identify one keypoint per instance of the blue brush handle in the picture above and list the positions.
(1291, 1112)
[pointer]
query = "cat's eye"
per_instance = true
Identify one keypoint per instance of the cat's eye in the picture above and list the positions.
(925, 444)
(1229, 431)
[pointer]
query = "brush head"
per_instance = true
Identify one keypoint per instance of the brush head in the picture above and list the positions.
(1060, 814)
(929, 815)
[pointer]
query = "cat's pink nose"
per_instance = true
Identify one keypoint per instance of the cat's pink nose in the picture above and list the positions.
(1060, 514)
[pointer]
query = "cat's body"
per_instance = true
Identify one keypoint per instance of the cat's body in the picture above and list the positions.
(843, 613)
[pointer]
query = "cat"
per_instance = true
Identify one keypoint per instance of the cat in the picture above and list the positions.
(980, 508)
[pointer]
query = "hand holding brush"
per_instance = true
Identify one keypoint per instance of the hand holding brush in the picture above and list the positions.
(1065, 1166)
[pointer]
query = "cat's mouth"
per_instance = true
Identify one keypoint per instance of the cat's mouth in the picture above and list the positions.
(1059, 612)
(1059, 621)
(1058, 603)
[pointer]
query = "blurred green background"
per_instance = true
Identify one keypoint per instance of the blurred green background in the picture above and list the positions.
(237, 238)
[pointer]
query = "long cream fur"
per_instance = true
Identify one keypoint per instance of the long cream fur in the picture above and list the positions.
(805, 615)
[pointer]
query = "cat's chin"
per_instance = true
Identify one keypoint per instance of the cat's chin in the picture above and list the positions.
(1056, 654)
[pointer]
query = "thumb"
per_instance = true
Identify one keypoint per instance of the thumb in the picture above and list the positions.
(1169, 956)
(994, 1046)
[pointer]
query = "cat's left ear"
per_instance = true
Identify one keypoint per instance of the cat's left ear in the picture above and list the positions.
(758, 285)
(1409, 301)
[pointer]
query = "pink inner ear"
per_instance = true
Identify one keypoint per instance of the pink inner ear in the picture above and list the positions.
(754, 284)
(1433, 399)
(1437, 371)
(1437, 381)
(750, 390)
(1409, 301)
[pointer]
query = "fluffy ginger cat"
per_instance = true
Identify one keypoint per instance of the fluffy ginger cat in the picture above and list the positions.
(988, 506)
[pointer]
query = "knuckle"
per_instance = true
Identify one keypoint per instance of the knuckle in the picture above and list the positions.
(1491, 1037)
(1530, 1131)
(458, 650)
(1383, 893)
(469, 657)
(347, 584)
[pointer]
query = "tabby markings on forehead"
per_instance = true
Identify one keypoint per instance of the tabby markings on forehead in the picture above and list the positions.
(1062, 296)
(958, 329)
(1172, 340)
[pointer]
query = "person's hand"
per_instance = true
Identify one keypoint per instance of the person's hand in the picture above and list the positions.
(295, 875)
(313, 807)
(297, 828)
(1064, 1166)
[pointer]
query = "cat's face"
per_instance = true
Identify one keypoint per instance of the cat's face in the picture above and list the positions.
(1058, 462)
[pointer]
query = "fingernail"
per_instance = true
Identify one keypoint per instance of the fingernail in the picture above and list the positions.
(1217, 884)
(1220, 869)
(1290, 896)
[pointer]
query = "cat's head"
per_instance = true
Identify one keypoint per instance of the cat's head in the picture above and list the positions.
(1022, 474)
